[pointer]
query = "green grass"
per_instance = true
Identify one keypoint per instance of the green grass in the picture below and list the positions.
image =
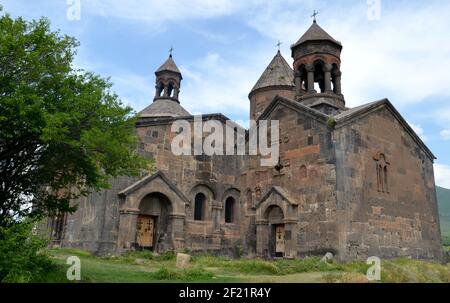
(146, 267)
(278, 267)
(443, 198)
(132, 267)
(195, 274)
(414, 271)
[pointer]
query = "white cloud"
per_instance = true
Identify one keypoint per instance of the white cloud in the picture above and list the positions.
(445, 134)
(443, 114)
(135, 90)
(214, 84)
(395, 57)
(404, 56)
(210, 84)
(442, 175)
(157, 11)
(216, 37)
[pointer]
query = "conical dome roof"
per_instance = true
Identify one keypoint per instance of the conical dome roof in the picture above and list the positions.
(164, 108)
(277, 73)
(169, 65)
(316, 33)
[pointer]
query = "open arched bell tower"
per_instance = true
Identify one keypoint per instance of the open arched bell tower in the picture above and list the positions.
(317, 70)
(168, 81)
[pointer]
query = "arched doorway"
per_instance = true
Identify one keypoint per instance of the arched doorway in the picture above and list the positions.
(277, 242)
(277, 219)
(153, 230)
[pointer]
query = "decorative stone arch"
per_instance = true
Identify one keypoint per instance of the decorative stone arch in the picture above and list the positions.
(235, 194)
(276, 197)
(131, 199)
(204, 186)
(167, 88)
(324, 59)
(153, 225)
(312, 58)
(325, 74)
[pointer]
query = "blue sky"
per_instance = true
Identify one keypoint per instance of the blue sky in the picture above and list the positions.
(223, 46)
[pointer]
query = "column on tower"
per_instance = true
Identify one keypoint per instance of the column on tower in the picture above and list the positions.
(310, 78)
(327, 77)
(337, 82)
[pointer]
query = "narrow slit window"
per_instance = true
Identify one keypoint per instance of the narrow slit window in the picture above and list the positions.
(199, 207)
(229, 210)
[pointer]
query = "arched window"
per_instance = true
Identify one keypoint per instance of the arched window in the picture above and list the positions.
(160, 89)
(301, 79)
(170, 90)
(229, 210)
(319, 76)
(199, 207)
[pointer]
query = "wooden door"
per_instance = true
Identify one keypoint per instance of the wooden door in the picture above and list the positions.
(145, 228)
(279, 240)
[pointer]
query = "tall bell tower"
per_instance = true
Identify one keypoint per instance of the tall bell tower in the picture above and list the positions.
(166, 101)
(168, 81)
(317, 70)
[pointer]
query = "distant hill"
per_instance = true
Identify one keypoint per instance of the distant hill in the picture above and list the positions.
(443, 197)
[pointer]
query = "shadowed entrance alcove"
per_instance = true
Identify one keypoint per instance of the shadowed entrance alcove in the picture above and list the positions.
(274, 215)
(276, 225)
(153, 229)
(157, 207)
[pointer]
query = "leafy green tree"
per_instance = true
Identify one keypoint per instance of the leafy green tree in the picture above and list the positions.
(63, 132)
(22, 253)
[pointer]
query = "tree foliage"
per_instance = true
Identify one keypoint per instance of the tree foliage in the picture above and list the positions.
(22, 255)
(63, 132)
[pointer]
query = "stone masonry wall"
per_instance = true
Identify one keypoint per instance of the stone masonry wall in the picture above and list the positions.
(215, 176)
(308, 175)
(94, 226)
(400, 220)
(259, 100)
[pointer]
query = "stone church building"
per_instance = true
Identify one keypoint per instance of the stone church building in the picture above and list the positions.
(356, 182)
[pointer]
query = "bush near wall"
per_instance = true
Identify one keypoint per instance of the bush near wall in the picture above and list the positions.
(22, 254)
